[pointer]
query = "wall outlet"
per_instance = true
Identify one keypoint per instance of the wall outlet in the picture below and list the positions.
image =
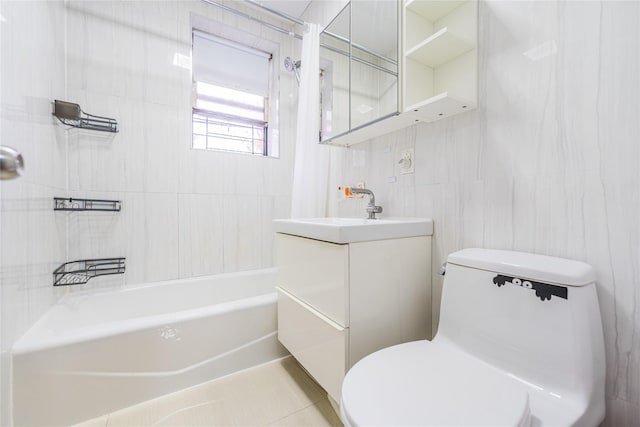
(406, 161)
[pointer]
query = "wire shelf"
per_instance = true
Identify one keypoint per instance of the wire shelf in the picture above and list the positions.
(71, 114)
(81, 271)
(70, 204)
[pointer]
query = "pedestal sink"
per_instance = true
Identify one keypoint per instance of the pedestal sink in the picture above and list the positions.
(349, 230)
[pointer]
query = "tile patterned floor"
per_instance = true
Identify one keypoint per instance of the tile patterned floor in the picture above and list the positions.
(279, 393)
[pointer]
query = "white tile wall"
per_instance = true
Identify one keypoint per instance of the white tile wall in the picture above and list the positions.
(184, 213)
(32, 237)
(547, 164)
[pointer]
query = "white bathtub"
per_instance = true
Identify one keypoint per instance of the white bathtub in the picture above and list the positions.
(96, 352)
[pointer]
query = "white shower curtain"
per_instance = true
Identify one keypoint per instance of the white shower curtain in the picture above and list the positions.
(311, 168)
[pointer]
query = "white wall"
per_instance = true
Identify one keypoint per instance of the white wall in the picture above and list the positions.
(548, 163)
(185, 213)
(32, 239)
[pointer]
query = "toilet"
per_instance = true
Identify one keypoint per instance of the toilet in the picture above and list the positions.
(519, 344)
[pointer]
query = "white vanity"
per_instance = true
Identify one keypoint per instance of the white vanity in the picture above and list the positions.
(348, 287)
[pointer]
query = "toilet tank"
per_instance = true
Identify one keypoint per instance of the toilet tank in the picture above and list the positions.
(535, 317)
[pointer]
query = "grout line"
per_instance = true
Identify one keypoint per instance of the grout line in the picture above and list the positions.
(292, 413)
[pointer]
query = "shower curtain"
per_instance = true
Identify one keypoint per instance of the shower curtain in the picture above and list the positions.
(311, 167)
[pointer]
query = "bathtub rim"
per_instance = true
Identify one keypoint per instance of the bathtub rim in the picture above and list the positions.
(140, 286)
(41, 339)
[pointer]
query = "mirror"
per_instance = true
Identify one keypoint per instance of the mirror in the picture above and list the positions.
(359, 80)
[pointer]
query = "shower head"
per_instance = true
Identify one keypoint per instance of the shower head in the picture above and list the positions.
(291, 65)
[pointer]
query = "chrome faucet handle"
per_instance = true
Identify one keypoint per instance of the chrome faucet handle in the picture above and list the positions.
(11, 163)
(372, 210)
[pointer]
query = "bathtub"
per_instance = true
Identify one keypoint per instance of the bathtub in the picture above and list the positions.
(96, 352)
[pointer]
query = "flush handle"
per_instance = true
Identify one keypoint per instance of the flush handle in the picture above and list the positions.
(443, 269)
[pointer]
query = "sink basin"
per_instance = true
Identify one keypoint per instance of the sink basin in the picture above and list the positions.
(349, 230)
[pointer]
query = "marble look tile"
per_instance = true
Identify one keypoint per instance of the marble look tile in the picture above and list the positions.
(142, 156)
(151, 412)
(276, 392)
(96, 46)
(471, 210)
(621, 413)
(243, 174)
(546, 164)
(94, 234)
(497, 207)
(250, 396)
(243, 224)
(201, 234)
(115, 59)
(524, 214)
(32, 74)
(319, 414)
(160, 160)
(278, 176)
(201, 171)
(103, 161)
(33, 245)
(96, 422)
(201, 414)
(151, 221)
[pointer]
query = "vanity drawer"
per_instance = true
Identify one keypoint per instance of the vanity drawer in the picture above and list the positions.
(319, 344)
(316, 273)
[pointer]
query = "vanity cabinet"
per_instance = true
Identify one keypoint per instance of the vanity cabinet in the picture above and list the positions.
(340, 302)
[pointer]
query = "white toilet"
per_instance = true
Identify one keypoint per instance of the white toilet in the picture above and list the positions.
(519, 344)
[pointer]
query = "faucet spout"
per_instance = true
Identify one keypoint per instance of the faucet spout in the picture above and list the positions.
(372, 209)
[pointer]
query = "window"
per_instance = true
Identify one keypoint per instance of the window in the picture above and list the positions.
(230, 102)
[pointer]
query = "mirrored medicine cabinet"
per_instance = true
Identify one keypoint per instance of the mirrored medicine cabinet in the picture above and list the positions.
(388, 64)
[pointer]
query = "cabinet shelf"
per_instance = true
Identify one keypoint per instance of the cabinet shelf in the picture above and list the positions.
(440, 48)
(70, 204)
(439, 106)
(432, 10)
(440, 67)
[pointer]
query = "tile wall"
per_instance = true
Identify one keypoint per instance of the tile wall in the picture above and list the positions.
(184, 212)
(32, 238)
(548, 163)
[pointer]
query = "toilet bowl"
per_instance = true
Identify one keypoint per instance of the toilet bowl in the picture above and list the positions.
(519, 344)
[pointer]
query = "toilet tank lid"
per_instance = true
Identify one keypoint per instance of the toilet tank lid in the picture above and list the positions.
(540, 268)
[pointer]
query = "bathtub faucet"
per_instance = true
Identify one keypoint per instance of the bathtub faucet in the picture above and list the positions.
(372, 209)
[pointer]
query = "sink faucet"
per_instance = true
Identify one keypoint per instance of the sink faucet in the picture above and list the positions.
(372, 209)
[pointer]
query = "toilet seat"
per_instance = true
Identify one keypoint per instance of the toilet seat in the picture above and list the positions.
(431, 383)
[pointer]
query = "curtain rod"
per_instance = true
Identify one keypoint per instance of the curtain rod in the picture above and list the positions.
(298, 36)
(260, 21)
(276, 12)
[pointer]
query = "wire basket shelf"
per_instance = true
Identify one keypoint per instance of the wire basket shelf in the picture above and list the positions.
(81, 271)
(71, 114)
(71, 204)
